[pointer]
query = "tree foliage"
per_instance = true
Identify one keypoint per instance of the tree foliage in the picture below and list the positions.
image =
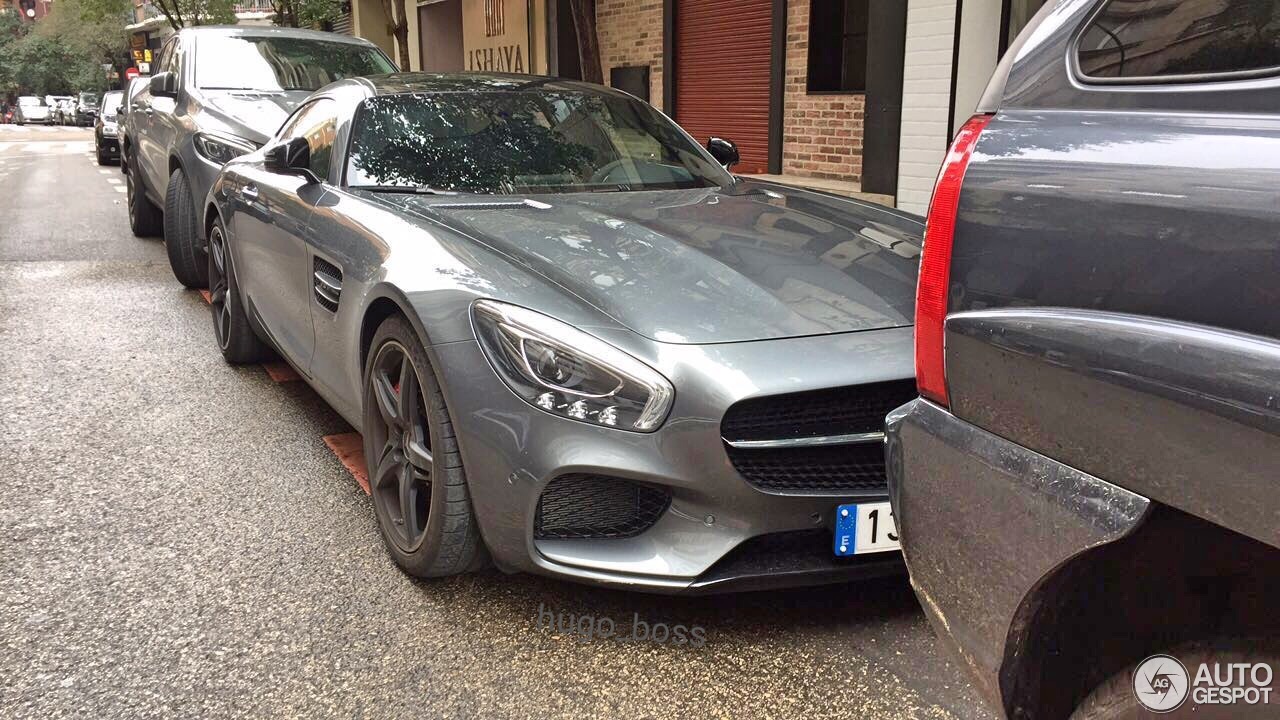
(306, 13)
(64, 52)
(189, 13)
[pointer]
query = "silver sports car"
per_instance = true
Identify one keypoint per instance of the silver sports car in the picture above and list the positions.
(574, 343)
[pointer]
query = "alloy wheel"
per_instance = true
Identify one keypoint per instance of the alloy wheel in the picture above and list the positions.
(401, 438)
(219, 287)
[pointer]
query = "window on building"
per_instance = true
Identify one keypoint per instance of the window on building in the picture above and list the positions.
(1157, 38)
(838, 45)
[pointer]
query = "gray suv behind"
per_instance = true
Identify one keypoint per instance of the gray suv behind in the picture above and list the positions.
(220, 92)
(1090, 476)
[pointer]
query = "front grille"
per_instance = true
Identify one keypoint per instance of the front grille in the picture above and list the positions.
(834, 469)
(853, 409)
(595, 506)
(829, 469)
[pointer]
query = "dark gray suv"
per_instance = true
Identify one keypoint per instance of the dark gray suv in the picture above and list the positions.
(218, 93)
(1090, 476)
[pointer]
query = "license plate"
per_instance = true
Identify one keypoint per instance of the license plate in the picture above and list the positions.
(865, 528)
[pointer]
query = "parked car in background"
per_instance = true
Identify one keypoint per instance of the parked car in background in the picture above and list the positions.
(574, 343)
(1089, 477)
(85, 109)
(31, 109)
(106, 128)
(219, 92)
(131, 91)
(58, 107)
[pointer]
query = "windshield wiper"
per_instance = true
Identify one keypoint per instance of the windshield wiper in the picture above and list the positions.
(414, 189)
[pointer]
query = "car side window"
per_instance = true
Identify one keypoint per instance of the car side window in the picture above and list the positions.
(166, 55)
(174, 60)
(1158, 40)
(318, 123)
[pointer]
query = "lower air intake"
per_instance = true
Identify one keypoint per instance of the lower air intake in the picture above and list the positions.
(596, 506)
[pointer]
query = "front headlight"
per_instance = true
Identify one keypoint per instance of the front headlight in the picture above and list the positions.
(108, 128)
(564, 371)
(222, 149)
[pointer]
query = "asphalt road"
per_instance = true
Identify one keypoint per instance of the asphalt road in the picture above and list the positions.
(178, 542)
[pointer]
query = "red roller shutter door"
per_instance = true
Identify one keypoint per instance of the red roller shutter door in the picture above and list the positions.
(722, 74)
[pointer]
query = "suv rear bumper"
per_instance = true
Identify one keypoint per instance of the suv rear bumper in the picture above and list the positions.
(982, 522)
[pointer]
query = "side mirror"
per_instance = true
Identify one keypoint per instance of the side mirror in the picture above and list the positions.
(164, 84)
(291, 157)
(724, 151)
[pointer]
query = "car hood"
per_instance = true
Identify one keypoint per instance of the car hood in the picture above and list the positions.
(753, 262)
(252, 114)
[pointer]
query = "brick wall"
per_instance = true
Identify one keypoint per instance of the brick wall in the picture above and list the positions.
(822, 134)
(630, 33)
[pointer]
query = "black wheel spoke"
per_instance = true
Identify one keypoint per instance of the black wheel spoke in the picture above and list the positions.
(388, 402)
(408, 502)
(406, 395)
(419, 455)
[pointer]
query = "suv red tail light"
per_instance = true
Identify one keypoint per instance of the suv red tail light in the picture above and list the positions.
(935, 263)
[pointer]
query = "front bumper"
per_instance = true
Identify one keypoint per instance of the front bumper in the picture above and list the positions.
(719, 532)
(108, 145)
(982, 521)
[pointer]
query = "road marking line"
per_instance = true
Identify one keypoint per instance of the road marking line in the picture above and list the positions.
(120, 188)
(349, 447)
(114, 181)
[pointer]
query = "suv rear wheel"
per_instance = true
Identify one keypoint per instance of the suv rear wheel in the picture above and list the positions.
(1116, 698)
(144, 217)
(181, 237)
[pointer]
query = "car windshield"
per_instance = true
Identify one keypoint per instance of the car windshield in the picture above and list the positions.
(31, 101)
(229, 62)
(88, 98)
(111, 103)
(524, 141)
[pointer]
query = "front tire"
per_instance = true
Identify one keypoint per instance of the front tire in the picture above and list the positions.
(181, 236)
(236, 338)
(419, 487)
(144, 217)
(102, 156)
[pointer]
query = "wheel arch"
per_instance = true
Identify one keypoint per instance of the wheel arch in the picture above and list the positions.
(385, 300)
(1176, 579)
(212, 213)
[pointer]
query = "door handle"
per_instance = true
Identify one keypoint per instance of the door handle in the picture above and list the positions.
(249, 192)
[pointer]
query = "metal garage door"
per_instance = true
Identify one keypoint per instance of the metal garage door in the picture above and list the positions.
(722, 74)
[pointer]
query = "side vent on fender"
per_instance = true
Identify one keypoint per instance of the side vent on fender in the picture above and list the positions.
(327, 281)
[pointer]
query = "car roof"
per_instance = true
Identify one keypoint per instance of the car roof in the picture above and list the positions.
(415, 82)
(267, 31)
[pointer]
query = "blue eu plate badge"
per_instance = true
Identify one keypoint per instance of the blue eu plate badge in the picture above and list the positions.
(865, 528)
